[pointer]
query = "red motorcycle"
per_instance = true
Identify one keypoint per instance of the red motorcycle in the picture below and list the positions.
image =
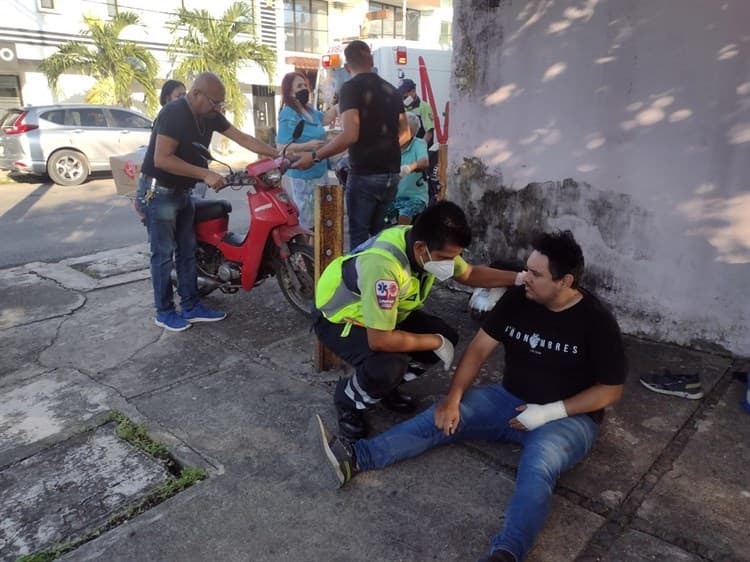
(275, 243)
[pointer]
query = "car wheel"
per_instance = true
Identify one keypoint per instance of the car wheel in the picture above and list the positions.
(68, 167)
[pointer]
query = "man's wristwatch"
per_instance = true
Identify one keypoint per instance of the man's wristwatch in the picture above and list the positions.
(315, 157)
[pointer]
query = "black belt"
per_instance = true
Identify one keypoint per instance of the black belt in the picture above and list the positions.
(150, 179)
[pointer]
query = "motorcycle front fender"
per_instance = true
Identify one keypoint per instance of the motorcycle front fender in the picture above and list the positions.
(283, 234)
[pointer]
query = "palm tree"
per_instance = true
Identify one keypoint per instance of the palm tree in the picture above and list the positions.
(115, 64)
(211, 44)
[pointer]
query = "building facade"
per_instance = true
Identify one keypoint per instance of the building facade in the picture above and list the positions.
(299, 32)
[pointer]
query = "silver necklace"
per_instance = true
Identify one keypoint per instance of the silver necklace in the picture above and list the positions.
(197, 125)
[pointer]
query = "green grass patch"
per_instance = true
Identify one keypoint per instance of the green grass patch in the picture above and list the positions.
(137, 436)
(181, 479)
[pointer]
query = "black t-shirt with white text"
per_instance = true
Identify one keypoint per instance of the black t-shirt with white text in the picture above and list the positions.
(552, 356)
(175, 120)
(379, 104)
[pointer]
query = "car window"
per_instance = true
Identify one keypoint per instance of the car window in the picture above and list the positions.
(129, 120)
(54, 116)
(10, 117)
(87, 117)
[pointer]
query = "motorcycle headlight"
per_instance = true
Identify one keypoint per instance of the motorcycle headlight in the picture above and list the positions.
(283, 197)
(273, 176)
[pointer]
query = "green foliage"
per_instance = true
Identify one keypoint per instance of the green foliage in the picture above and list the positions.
(48, 555)
(137, 436)
(114, 64)
(223, 46)
(188, 476)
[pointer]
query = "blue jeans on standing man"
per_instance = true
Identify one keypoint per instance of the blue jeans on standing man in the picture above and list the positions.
(548, 451)
(367, 200)
(169, 218)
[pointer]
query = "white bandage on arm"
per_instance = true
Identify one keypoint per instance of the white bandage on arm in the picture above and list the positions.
(536, 415)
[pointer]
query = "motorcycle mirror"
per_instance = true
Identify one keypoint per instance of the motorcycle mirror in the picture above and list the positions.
(206, 154)
(298, 130)
(203, 151)
(296, 134)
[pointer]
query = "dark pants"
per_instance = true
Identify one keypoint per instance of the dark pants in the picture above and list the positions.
(433, 181)
(169, 220)
(377, 373)
(367, 201)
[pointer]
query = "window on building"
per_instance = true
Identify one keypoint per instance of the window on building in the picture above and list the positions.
(446, 31)
(46, 4)
(112, 8)
(390, 22)
(10, 93)
(306, 25)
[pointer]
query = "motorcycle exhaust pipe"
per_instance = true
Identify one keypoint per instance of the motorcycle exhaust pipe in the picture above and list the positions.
(202, 282)
(207, 283)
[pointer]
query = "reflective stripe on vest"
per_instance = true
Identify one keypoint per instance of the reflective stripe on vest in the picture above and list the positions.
(343, 297)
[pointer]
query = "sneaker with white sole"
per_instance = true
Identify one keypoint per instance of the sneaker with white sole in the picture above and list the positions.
(413, 372)
(340, 455)
(682, 385)
(201, 313)
(171, 321)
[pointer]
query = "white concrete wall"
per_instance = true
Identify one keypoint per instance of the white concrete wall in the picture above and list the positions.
(645, 106)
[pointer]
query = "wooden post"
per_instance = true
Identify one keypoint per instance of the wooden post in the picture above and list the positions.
(329, 244)
(442, 170)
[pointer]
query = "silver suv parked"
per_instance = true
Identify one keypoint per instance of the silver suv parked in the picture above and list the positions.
(66, 141)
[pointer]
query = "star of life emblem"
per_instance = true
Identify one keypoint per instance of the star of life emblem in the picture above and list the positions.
(386, 291)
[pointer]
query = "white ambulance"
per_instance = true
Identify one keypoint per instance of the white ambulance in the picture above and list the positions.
(394, 60)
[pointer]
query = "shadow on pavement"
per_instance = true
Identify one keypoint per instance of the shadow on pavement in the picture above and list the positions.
(19, 210)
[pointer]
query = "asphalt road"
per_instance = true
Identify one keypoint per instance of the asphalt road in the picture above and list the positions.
(47, 222)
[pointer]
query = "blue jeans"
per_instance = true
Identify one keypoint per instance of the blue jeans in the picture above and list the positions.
(548, 451)
(169, 218)
(367, 201)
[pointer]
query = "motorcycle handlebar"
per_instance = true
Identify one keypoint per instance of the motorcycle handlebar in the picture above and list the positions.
(248, 177)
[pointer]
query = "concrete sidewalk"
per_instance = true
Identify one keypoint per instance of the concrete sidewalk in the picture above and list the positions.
(667, 479)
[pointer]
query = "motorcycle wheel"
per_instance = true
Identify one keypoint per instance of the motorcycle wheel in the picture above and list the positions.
(296, 277)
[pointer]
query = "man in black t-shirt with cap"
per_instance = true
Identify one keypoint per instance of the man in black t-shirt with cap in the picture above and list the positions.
(374, 128)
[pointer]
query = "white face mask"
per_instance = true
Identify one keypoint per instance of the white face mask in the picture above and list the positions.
(442, 270)
(408, 100)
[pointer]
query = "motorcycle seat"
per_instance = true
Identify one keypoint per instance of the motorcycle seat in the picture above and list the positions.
(208, 209)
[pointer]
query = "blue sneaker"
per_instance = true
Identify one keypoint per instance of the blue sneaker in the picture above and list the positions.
(171, 321)
(201, 313)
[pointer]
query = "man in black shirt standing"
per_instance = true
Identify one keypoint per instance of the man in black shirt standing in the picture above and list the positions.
(564, 363)
(169, 171)
(374, 127)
